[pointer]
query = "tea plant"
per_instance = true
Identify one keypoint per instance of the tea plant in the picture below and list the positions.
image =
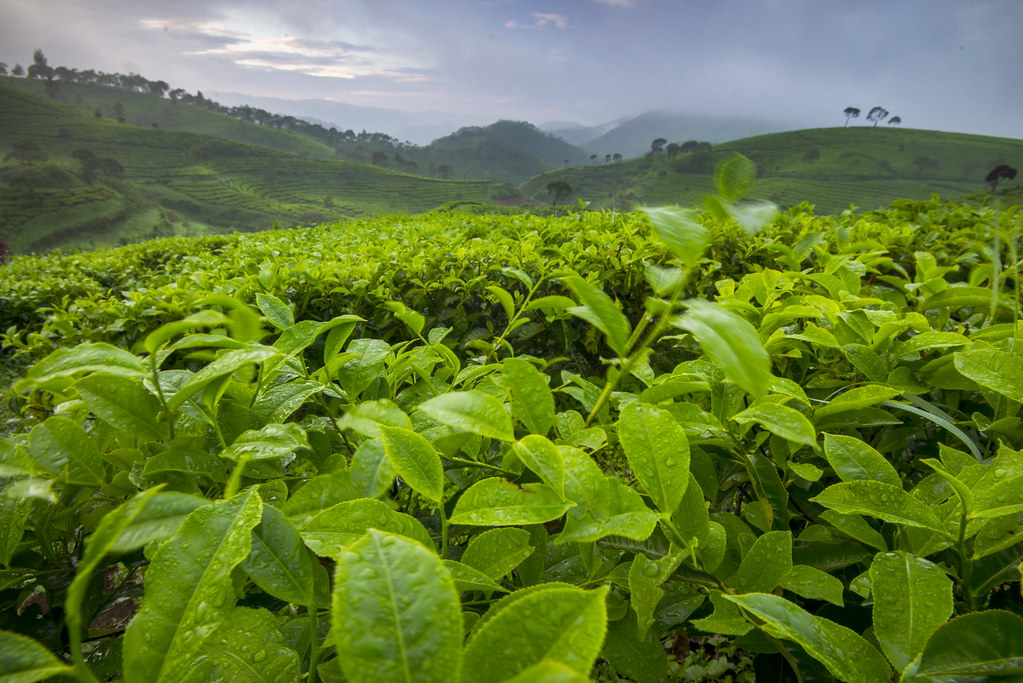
(510, 461)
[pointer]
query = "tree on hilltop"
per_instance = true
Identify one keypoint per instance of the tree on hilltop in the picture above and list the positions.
(39, 67)
(657, 146)
(558, 189)
(895, 121)
(851, 113)
(922, 163)
(3, 68)
(18, 70)
(877, 114)
(999, 172)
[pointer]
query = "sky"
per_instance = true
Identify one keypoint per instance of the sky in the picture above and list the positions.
(954, 65)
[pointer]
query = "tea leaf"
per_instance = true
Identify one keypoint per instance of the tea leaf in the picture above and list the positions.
(497, 502)
(532, 400)
(396, 613)
(883, 501)
(561, 624)
(912, 597)
(24, 660)
(658, 452)
(544, 458)
(844, 652)
(998, 371)
(471, 411)
(683, 233)
(598, 310)
(730, 343)
(124, 403)
(415, 460)
(975, 645)
(788, 423)
(248, 647)
(854, 460)
(497, 551)
(189, 591)
(279, 562)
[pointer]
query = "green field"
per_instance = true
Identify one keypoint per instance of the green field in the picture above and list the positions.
(194, 183)
(606, 446)
(832, 168)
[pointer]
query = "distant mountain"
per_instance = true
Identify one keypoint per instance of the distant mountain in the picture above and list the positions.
(420, 127)
(578, 134)
(506, 150)
(632, 138)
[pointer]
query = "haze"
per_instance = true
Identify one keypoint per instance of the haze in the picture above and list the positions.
(936, 64)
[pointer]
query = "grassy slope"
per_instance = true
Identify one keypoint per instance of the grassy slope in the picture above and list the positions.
(144, 110)
(862, 166)
(196, 183)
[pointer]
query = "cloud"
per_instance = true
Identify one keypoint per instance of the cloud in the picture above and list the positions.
(540, 20)
(617, 3)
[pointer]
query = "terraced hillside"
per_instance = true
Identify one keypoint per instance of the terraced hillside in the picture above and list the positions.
(170, 182)
(832, 168)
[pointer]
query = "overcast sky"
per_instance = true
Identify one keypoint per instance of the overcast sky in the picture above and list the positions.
(938, 64)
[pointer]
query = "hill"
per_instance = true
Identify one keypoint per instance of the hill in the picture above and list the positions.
(632, 137)
(831, 168)
(101, 182)
(506, 150)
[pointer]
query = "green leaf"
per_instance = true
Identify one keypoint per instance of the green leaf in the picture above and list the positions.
(103, 541)
(471, 411)
(883, 501)
(274, 442)
(680, 229)
(504, 298)
(912, 597)
(56, 369)
(125, 404)
(645, 579)
(975, 646)
(765, 563)
(788, 423)
(813, 584)
(191, 461)
(730, 343)
(396, 613)
(59, 442)
(249, 646)
(279, 561)
(617, 511)
(532, 400)
(275, 310)
(854, 460)
(726, 619)
(855, 527)
(598, 310)
(157, 520)
(23, 660)
(658, 452)
(367, 417)
(856, 399)
(189, 592)
(561, 624)
(549, 671)
(734, 177)
(544, 458)
(1003, 498)
(468, 578)
(415, 460)
(224, 366)
(14, 512)
(640, 659)
(498, 502)
(844, 652)
(498, 551)
(333, 530)
(371, 471)
(999, 371)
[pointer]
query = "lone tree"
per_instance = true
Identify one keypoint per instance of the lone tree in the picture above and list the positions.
(998, 173)
(657, 146)
(877, 114)
(851, 113)
(895, 121)
(558, 189)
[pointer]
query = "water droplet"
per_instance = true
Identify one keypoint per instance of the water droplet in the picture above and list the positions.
(1000, 472)
(259, 656)
(650, 570)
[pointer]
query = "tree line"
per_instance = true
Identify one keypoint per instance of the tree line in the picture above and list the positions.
(877, 114)
(54, 76)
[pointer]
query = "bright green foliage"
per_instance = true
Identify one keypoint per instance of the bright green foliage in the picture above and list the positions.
(395, 613)
(804, 441)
